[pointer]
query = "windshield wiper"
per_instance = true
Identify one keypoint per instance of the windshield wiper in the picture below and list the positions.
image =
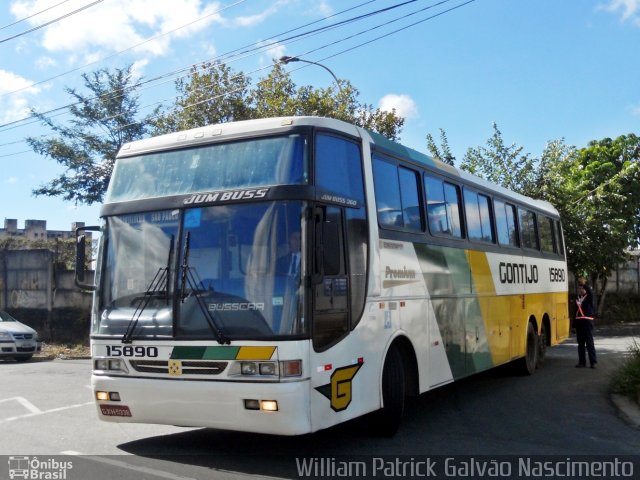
(189, 277)
(161, 279)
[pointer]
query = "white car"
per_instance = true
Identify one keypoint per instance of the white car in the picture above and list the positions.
(17, 340)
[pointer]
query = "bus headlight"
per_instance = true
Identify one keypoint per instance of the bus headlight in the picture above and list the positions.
(249, 368)
(268, 368)
(259, 368)
(110, 365)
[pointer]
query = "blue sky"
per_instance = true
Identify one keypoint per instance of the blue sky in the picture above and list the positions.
(541, 69)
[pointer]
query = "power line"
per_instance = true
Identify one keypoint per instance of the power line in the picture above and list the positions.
(338, 53)
(67, 15)
(55, 77)
(33, 15)
(233, 54)
(315, 50)
(108, 57)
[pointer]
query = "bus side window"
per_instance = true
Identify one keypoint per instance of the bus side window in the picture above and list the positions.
(339, 167)
(411, 211)
(388, 204)
(479, 219)
(443, 207)
(528, 231)
(547, 240)
(506, 224)
(559, 239)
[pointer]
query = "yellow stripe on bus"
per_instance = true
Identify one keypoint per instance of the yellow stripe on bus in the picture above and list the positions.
(255, 353)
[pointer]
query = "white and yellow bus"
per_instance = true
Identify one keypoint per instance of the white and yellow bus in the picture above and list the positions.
(285, 275)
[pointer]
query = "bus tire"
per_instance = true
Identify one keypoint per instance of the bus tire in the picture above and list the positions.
(389, 417)
(527, 364)
(542, 345)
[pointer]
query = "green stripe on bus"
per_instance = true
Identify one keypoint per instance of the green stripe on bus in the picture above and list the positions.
(204, 353)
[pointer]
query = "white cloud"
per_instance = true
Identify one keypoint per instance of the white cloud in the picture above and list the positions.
(118, 24)
(635, 110)
(630, 9)
(325, 9)
(45, 62)
(16, 105)
(405, 106)
(275, 51)
(251, 20)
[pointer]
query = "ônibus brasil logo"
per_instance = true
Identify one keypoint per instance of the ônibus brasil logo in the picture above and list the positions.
(36, 469)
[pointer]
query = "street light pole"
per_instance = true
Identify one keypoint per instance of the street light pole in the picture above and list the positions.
(284, 60)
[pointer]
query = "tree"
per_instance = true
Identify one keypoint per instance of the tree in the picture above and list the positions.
(215, 94)
(597, 191)
(86, 146)
(502, 164)
(444, 152)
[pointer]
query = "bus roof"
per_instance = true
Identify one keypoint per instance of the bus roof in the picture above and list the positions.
(218, 132)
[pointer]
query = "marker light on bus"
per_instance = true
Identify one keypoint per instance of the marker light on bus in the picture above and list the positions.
(107, 396)
(291, 368)
(269, 405)
(264, 405)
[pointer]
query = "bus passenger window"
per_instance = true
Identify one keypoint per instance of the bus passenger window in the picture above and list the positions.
(411, 212)
(478, 211)
(506, 224)
(559, 240)
(547, 241)
(443, 207)
(528, 232)
(388, 204)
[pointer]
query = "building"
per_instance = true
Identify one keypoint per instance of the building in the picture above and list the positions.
(36, 230)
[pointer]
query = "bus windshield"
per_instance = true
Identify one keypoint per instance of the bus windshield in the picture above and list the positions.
(229, 271)
(265, 161)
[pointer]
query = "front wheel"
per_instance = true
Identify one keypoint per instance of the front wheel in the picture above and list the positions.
(389, 417)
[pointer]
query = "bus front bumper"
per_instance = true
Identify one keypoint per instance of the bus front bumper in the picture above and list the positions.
(206, 404)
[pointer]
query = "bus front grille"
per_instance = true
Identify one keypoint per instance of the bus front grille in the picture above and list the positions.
(188, 367)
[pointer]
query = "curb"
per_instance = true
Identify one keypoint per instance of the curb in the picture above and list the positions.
(628, 409)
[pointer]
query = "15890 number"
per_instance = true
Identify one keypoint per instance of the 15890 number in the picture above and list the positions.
(131, 351)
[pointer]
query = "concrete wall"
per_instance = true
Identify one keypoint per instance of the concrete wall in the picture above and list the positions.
(42, 295)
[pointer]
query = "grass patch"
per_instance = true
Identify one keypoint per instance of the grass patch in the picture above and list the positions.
(627, 380)
(56, 350)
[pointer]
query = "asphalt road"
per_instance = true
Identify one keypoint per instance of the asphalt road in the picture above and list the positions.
(46, 410)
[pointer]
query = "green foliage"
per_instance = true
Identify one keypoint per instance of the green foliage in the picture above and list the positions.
(597, 191)
(212, 94)
(86, 146)
(444, 152)
(502, 164)
(627, 380)
(205, 99)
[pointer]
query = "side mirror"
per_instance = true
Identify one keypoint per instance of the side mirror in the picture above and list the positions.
(81, 257)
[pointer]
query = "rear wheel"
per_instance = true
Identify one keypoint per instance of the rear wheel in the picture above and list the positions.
(542, 345)
(388, 419)
(527, 364)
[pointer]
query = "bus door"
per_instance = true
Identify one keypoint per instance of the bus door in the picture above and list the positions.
(331, 364)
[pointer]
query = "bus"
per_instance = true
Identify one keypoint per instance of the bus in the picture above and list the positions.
(285, 275)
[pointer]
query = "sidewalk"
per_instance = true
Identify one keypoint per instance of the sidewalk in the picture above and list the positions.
(627, 408)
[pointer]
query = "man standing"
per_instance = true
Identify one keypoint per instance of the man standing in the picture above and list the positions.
(584, 325)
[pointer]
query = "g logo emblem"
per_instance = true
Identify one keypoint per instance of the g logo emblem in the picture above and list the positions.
(339, 391)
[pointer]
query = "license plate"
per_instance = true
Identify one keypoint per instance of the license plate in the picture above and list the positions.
(115, 410)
